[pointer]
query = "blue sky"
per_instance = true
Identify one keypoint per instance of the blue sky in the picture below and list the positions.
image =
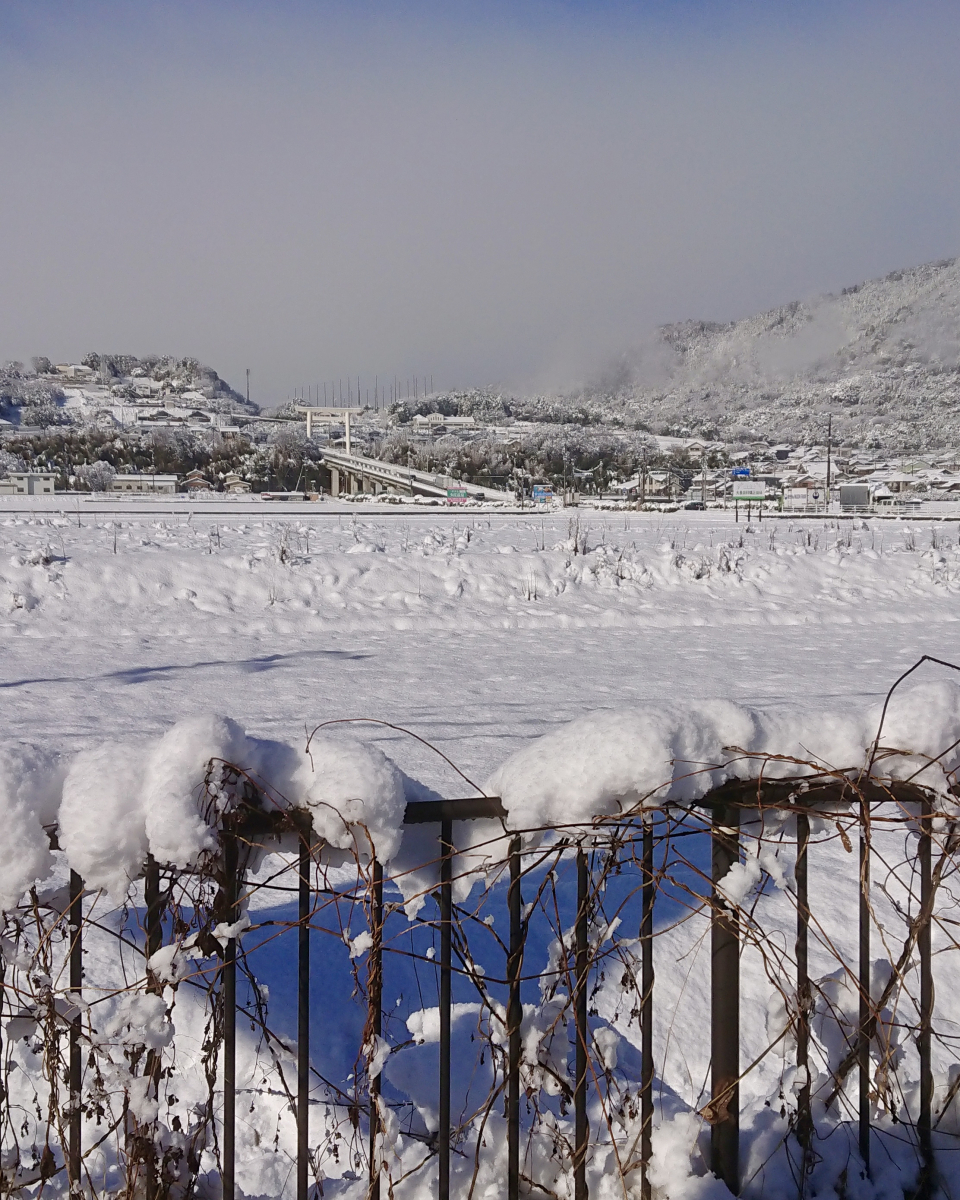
(495, 193)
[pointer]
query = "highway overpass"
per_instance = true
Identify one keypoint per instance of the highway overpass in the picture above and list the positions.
(352, 473)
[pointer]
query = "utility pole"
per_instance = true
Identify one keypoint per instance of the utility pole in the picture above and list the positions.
(703, 478)
(829, 449)
(248, 385)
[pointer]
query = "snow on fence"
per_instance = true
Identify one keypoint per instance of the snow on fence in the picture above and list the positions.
(355, 987)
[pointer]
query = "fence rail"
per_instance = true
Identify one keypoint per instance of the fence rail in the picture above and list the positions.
(628, 866)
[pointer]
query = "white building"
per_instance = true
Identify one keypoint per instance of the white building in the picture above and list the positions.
(143, 482)
(28, 483)
(74, 371)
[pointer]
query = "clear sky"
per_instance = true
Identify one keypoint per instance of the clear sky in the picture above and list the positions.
(505, 193)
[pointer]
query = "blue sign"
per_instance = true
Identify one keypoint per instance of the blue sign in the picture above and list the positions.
(740, 473)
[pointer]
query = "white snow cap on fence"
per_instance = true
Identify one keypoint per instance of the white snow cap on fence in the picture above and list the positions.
(102, 826)
(117, 802)
(177, 830)
(607, 762)
(121, 800)
(354, 793)
(30, 782)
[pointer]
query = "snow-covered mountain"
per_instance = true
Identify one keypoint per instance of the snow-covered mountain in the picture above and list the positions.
(883, 357)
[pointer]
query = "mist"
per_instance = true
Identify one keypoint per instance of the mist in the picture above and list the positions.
(509, 196)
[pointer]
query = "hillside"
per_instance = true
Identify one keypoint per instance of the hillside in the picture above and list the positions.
(882, 356)
(47, 394)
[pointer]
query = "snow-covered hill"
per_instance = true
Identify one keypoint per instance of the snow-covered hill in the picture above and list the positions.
(883, 357)
(44, 392)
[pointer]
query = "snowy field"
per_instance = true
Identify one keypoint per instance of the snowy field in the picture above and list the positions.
(481, 633)
(476, 632)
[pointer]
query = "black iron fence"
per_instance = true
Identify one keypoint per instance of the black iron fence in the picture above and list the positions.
(568, 919)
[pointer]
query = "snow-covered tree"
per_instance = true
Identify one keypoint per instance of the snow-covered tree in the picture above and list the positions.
(98, 476)
(9, 462)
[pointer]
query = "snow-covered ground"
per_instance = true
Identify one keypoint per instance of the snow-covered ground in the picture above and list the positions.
(479, 633)
(476, 631)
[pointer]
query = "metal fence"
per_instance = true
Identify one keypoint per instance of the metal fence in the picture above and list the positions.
(485, 891)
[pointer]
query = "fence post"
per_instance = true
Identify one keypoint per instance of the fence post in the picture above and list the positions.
(865, 1026)
(3, 996)
(804, 1120)
(154, 922)
(303, 1014)
(446, 943)
(514, 1019)
(646, 1009)
(928, 1177)
(375, 998)
(725, 1004)
(76, 988)
(229, 976)
(582, 1129)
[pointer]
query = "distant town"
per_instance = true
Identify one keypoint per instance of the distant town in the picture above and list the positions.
(165, 426)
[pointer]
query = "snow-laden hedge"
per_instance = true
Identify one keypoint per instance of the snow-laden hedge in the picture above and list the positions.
(113, 804)
(608, 762)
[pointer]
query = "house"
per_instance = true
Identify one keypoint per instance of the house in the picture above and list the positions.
(195, 482)
(894, 481)
(133, 481)
(28, 483)
(74, 371)
(146, 389)
(234, 484)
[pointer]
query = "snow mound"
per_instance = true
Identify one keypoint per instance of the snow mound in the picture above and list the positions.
(30, 782)
(608, 762)
(178, 831)
(355, 795)
(115, 803)
(102, 825)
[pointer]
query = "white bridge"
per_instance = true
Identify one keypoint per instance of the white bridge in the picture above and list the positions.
(353, 473)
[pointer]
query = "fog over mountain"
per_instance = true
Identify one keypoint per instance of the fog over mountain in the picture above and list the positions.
(883, 357)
